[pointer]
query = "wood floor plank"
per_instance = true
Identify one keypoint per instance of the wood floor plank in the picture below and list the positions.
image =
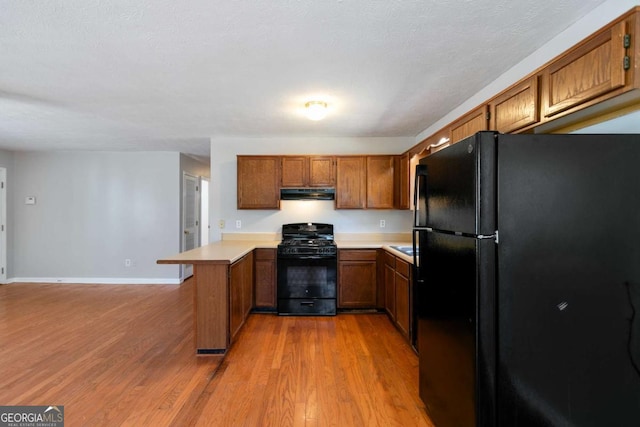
(124, 355)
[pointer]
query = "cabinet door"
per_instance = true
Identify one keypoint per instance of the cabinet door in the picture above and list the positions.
(475, 121)
(402, 296)
(594, 69)
(265, 278)
(402, 182)
(258, 182)
(322, 172)
(517, 108)
(240, 293)
(380, 182)
(247, 285)
(357, 286)
(390, 291)
(295, 171)
(351, 174)
(236, 314)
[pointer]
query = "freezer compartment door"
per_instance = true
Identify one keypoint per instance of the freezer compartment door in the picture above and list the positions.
(459, 187)
(455, 293)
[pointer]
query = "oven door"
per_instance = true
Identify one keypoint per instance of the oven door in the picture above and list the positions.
(307, 277)
(307, 285)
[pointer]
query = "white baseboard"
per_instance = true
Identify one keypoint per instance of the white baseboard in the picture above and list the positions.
(96, 280)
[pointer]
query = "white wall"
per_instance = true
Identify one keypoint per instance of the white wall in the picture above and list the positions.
(93, 210)
(596, 19)
(224, 185)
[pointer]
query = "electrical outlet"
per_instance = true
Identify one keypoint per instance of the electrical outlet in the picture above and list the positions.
(382, 223)
(127, 262)
(238, 223)
(221, 223)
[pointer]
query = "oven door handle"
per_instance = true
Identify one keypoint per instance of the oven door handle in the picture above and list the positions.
(312, 257)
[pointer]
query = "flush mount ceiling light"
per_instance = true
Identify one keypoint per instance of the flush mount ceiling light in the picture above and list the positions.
(315, 110)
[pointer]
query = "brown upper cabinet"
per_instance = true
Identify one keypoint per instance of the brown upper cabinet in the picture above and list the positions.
(351, 182)
(308, 171)
(258, 182)
(380, 182)
(470, 123)
(516, 108)
(322, 171)
(295, 171)
(402, 182)
(361, 182)
(593, 69)
(365, 182)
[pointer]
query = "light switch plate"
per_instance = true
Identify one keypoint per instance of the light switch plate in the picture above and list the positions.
(30, 200)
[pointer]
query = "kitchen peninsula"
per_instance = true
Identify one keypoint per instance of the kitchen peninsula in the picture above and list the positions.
(225, 280)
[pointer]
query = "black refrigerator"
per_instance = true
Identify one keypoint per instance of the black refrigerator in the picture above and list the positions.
(527, 284)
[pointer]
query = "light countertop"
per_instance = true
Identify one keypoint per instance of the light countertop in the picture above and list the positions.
(230, 251)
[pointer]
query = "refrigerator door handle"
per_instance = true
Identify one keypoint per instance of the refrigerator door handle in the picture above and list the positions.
(416, 259)
(416, 191)
(493, 236)
(420, 177)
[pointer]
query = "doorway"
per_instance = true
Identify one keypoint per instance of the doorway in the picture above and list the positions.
(204, 211)
(190, 218)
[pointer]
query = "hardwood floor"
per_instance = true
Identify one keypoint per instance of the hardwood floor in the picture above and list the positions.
(124, 355)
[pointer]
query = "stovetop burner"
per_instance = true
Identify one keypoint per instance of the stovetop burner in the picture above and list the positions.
(306, 239)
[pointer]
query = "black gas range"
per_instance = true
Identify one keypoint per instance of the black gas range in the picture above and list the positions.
(307, 270)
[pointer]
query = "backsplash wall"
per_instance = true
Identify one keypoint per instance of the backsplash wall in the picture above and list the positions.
(345, 221)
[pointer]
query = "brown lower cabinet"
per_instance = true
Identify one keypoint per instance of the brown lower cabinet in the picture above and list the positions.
(265, 279)
(403, 311)
(223, 299)
(397, 278)
(357, 281)
(240, 293)
(390, 285)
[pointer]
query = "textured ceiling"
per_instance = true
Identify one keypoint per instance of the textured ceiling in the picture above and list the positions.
(168, 75)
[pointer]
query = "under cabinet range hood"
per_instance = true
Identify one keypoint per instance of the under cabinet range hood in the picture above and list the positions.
(307, 193)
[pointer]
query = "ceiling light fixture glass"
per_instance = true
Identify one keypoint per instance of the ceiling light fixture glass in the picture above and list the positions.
(316, 110)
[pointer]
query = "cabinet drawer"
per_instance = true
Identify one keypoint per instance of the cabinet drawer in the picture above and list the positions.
(357, 255)
(402, 267)
(265, 254)
(389, 260)
(312, 306)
